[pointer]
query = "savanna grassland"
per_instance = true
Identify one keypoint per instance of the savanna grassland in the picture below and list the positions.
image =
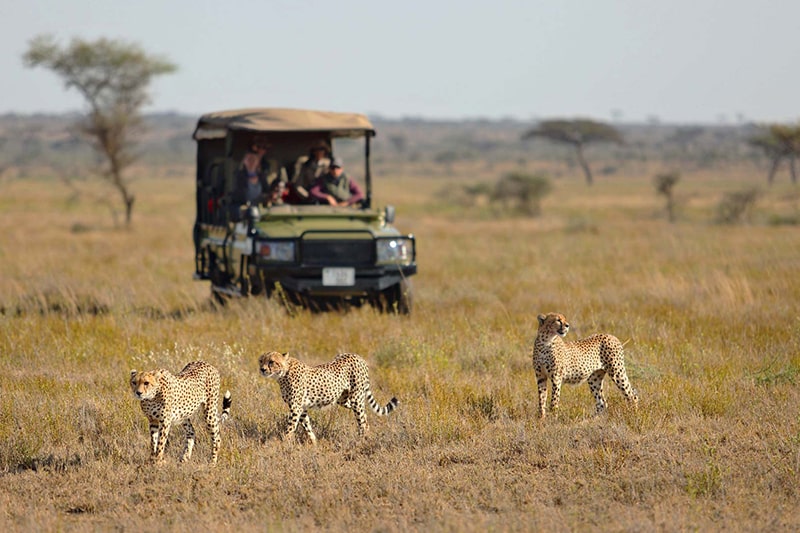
(710, 315)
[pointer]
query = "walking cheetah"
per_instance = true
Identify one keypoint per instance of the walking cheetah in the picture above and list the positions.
(588, 359)
(167, 399)
(345, 381)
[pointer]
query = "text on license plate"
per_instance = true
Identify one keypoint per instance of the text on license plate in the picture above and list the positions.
(338, 277)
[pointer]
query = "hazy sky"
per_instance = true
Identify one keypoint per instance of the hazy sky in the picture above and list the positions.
(678, 60)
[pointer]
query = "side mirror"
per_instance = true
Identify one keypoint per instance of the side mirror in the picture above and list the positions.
(388, 215)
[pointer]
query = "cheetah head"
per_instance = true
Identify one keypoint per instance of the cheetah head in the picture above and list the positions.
(274, 364)
(145, 385)
(553, 324)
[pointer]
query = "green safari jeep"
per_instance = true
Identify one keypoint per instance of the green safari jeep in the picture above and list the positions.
(288, 242)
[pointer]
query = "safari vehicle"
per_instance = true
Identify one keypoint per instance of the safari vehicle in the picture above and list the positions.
(320, 256)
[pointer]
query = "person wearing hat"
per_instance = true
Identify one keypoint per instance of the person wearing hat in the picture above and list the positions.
(335, 187)
(314, 166)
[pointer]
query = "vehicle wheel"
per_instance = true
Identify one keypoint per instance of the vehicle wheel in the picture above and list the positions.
(218, 279)
(397, 299)
(218, 298)
(256, 283)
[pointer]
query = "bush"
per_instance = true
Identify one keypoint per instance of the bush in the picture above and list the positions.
(737, 207)
(522, 192)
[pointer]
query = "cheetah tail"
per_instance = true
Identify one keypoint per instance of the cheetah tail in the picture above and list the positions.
(226, 406)
(383, 411)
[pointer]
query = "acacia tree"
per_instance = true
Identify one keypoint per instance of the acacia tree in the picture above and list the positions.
(779, 142)
(113, 77)
(665, 185)
(577, 133)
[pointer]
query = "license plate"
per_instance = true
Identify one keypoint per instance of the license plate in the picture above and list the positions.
(338, 277)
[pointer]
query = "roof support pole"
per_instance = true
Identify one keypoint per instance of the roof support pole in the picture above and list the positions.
(367, 174)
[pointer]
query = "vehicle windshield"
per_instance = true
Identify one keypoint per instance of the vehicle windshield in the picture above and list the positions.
(295, 168)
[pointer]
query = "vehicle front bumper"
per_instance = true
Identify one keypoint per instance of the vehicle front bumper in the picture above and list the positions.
(308, 280)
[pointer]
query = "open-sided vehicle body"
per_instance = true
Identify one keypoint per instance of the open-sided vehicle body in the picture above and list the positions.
(319, 255)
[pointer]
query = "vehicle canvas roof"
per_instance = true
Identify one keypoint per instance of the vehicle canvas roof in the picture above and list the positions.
(215, 125)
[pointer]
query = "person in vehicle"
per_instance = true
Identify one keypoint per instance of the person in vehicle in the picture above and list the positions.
(314, 166)
(336, 188)
(251, 182)
(309, 168)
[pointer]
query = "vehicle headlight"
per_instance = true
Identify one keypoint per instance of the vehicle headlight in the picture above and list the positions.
(282, 251)
(395, 251)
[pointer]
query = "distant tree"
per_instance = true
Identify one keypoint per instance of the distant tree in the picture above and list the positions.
(665, 183)
(779, 142)
(578, 134)
(685, 138)
(113, 77)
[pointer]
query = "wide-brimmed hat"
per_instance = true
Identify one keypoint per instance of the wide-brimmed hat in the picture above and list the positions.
(320, 145)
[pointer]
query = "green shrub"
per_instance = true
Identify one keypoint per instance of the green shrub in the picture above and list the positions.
(737, 207)
(522, 192)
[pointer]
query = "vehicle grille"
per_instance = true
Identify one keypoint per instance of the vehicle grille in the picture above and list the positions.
(338, 253)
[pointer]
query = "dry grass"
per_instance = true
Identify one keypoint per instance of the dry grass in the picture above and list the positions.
(710, 313)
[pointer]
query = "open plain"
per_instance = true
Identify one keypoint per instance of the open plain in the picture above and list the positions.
(710, 314)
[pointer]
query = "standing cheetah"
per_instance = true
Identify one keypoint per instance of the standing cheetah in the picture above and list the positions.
(345, 381)
(167, 399)
(588, 359)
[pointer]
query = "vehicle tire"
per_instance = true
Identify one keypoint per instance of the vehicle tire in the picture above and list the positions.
(256, 283)
(218, 279)
(397, 299)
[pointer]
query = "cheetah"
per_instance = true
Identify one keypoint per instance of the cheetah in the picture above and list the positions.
(588, 359)
(344, 381)
(167, 399)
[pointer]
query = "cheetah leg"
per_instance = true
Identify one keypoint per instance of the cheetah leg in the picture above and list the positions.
(306, 421)
(344, 400)
(361, 415)
(154, 432)
(596, 386)
(620, 377)
(294, 419)
(541, 385)
(555, 394)
(188, 429)
(212, 423)
(162, 442)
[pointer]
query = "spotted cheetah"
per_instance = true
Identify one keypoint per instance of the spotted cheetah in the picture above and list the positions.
(345, 381)
(587, 359)
(167, 399)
